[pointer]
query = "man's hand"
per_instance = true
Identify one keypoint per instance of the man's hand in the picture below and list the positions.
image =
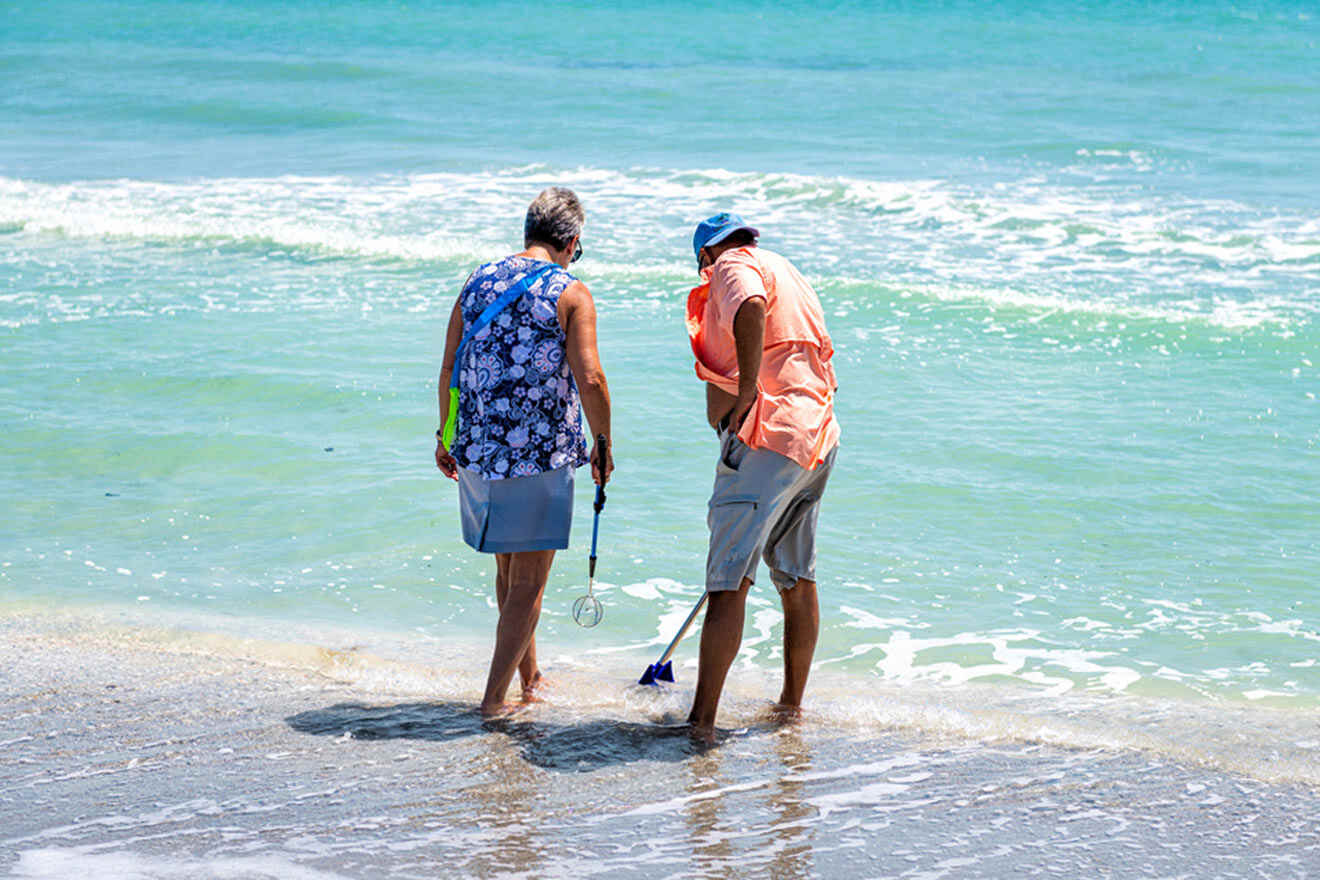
(601, 477)
(719, 403)
(741, 408)
(447, 463)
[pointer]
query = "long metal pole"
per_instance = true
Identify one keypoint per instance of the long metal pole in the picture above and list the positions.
(682, 630)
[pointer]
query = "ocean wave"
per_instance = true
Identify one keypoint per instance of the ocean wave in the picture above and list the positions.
(1031, 243)
(315, 216)
(1220, 311)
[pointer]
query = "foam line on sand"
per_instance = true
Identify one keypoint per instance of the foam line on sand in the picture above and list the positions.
(128, 759)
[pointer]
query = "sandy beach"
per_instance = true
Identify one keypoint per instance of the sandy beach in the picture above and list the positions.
(127, 759)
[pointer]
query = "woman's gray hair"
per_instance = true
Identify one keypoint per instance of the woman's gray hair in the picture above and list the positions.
(555, 217)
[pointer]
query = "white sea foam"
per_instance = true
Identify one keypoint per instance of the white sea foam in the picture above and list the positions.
(60, 863)
(1027, 243)
(1214, 311)
(946, 704)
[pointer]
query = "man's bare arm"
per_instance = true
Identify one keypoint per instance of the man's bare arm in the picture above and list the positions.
(749, 337)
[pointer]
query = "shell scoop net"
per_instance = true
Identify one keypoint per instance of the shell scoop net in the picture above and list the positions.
(587, 610)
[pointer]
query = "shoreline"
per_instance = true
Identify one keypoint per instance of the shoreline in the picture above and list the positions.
(1275, 744)
(139, 758)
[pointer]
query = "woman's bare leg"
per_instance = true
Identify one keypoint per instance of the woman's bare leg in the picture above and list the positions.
(528, 670)
(524, 576)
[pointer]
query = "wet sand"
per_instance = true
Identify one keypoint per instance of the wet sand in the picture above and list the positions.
(129, 759)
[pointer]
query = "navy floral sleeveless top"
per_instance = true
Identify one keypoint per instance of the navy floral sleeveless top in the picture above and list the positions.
(519, 412)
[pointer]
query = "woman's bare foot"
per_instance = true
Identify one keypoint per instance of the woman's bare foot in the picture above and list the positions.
(499, 710)
(784, 713)
(530, 688)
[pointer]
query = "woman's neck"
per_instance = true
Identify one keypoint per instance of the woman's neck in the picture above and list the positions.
(538, 251)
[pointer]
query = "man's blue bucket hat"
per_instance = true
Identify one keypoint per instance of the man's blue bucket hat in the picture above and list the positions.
(714, 230)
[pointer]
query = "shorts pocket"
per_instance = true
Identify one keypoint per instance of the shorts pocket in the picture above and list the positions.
(734, 521)
(732, 452)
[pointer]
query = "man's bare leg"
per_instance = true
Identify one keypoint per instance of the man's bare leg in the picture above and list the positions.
(528, 670)
(801, 629)
(525, 575)
(721, 636)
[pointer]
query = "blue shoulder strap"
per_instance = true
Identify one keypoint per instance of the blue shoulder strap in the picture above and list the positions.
(491, 311)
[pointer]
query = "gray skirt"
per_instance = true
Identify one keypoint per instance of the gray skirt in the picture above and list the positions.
(517, 514)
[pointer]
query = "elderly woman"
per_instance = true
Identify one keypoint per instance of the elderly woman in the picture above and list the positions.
(523, 333)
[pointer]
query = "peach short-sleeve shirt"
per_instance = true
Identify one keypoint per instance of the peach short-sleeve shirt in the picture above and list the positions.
(794, 411)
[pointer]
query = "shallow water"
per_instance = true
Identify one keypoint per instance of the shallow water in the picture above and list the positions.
(1097, 484)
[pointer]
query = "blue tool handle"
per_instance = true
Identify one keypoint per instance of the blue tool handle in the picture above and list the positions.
(595, 530)
(599, 505)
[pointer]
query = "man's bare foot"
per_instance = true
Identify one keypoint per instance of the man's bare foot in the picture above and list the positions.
(530, 688)
(702, 734)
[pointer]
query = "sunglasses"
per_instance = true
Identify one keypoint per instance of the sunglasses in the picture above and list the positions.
(577, 253)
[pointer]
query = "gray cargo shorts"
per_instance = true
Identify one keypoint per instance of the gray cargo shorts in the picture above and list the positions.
(765, 505)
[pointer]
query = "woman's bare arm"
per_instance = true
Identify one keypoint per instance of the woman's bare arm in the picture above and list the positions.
(577, 315)
(453, 336)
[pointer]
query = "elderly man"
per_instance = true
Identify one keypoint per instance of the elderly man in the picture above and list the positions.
(758, 333)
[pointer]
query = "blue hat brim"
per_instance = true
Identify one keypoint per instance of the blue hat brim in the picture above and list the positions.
(725, 233)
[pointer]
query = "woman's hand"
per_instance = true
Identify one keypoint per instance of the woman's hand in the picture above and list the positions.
(447, 463)
(598, 475)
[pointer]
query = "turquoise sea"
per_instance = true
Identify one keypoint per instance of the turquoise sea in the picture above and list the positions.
(1070, 259)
